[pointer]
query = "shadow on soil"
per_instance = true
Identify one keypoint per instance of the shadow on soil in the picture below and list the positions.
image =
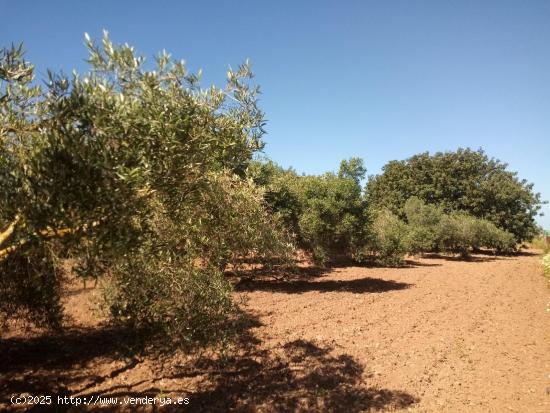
(298, 376)
(49, 364)
(524, 253)
(478, 257)
(358, 286)
(412, 263)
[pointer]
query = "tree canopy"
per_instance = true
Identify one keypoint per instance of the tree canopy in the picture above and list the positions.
(326, 212)
(463, 180)
(137, 174)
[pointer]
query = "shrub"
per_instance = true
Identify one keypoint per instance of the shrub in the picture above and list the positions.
(331, 215)
(389, 238)
(489, 236)
(460, 232)
(280, 193)
(423, 225)
(540, 243)
(456, 233)
(326, 212)
(430, 229)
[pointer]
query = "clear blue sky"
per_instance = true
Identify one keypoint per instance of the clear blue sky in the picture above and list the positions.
(380, 80)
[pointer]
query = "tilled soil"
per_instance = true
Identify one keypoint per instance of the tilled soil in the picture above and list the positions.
(441, 335)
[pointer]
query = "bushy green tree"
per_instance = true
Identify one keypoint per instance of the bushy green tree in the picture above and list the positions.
(423, 225)
(241, 225)
(457, 233)
(278, 185)
(464, 180)
(137, 174)
(352, 168)
(331, 218)
(389, 238)
(460, 232)
(325, 212)
(430, 229)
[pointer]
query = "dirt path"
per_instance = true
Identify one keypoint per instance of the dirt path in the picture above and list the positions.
(439, 336)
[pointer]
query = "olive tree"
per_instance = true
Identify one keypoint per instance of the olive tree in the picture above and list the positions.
(326, 212)
(116, 167)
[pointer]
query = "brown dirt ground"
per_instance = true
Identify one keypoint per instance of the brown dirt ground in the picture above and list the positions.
(441, 335)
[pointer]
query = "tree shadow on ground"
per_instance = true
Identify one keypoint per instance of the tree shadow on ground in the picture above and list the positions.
(413, 263)
(299, 376)
(524, 253)
(481, 255)
(309, 271)
(477, 257)
(50, 363)
(358, 286)
(278, 273)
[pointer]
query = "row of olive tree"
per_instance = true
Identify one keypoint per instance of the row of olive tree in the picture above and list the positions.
(427, 228)
(138, 175)
(333, 217)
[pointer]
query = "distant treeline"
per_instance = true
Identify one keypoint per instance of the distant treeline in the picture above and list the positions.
(448, 202)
